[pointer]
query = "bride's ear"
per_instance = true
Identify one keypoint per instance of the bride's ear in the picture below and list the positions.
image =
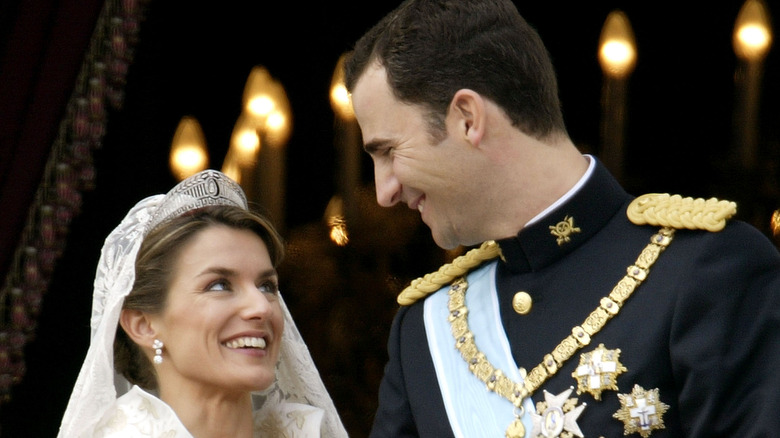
(138, 327)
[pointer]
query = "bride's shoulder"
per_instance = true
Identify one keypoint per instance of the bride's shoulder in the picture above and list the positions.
(138, 413)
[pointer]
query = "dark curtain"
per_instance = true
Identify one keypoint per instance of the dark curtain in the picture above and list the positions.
(44, 43)
(62, 68)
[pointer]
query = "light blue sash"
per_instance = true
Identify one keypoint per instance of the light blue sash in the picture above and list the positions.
(473, 410)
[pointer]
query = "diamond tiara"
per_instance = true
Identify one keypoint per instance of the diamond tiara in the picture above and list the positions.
(209, 187)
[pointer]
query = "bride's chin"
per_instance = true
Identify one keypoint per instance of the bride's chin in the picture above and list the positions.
(264, 382)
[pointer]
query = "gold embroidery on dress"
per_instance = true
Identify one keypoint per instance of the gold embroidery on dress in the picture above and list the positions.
(272, 426)
(298, 417)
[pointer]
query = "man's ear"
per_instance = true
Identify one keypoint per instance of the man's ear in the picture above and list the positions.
(468, 110)
(137, 326)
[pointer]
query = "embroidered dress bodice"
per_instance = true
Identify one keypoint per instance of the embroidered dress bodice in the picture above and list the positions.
(139, 414)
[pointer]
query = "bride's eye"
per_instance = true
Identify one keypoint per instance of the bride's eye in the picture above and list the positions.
(269, 287)
(219, 285)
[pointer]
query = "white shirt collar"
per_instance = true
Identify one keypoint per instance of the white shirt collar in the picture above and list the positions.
(566, 196)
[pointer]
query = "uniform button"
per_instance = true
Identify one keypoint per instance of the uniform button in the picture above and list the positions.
(522, 302)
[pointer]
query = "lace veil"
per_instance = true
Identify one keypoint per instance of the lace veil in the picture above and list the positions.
(98, 386)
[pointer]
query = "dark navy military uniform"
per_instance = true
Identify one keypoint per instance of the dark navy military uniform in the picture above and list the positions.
(703, 328)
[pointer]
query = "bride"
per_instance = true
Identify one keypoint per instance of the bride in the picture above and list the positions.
(190, 334)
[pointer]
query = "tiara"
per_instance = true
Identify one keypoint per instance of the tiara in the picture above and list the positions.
(209, 187)
(115, 278)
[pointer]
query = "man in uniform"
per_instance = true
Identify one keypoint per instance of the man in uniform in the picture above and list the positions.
(581, 310)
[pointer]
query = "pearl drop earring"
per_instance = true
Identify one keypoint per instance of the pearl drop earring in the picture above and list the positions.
(158, 346)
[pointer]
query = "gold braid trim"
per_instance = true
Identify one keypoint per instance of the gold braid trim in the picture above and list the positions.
(657, 209)
(661, 209)
(429, 283)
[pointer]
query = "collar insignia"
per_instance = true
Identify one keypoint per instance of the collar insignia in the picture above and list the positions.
(598, 371)
(564, 229)
(556, 416)
(641, 411)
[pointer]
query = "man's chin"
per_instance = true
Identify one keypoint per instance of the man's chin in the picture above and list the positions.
(444, 242)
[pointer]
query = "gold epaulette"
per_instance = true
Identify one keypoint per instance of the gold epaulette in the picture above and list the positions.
(429, 283)
(662, 209)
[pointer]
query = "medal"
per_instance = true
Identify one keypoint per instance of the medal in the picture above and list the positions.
(641, 411)
(557, 414)
(598, 371)
(516, 429)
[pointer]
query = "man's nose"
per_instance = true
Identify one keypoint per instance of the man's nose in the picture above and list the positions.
(388, 189)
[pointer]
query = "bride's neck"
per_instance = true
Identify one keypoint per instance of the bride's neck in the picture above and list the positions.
(212, 415)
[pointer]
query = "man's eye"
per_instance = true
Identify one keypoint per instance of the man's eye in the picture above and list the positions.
(269, 287)
(381, 151)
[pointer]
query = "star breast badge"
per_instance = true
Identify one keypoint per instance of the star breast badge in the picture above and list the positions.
(556, 416)
(641, 411)
(598, 371)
